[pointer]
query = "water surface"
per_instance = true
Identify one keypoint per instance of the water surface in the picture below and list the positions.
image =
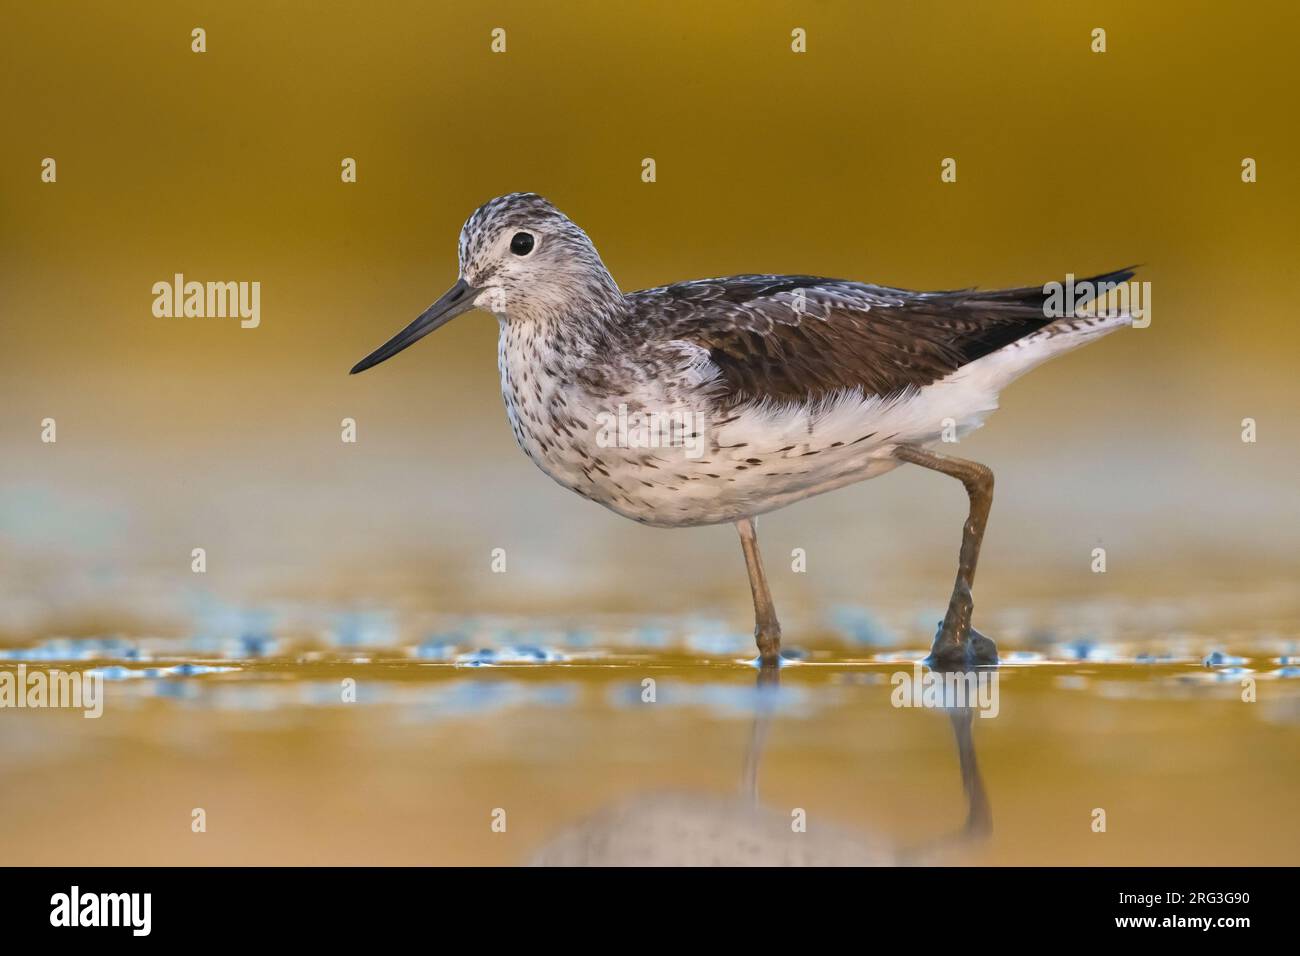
(551, 722)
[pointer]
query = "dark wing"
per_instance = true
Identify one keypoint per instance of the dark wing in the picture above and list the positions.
(800, 338)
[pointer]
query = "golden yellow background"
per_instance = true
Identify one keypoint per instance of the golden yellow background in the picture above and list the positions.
(177, 433)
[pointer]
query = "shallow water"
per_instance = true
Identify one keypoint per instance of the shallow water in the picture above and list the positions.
(551, 723)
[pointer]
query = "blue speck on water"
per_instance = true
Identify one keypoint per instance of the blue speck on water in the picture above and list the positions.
(194, 670)
(1086, 649)
(510, 654)
(118, 672)
(1079, 650)
(1287, 672)
(115, 672)
(1220, 659)
(476, 658)
(76, 649)
(256, 645)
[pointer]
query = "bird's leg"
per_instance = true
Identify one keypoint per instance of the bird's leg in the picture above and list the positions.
(767, 630)
(957, 643)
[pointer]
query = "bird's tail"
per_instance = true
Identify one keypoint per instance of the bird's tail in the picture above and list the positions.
(1077, 312)
(1070, 293)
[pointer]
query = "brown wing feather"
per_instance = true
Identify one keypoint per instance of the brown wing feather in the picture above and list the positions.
(801, 338)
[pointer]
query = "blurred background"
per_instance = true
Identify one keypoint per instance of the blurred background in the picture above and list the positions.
(179, 433)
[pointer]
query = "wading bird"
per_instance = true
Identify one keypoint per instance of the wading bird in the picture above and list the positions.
(788, 385)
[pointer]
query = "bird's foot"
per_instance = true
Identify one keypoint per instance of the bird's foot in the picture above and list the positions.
(953, 652)
(768, 640)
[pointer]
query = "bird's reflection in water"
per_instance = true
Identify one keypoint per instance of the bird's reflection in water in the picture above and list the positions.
(697, 829)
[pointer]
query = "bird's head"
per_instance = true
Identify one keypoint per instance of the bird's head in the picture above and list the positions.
(520, 259)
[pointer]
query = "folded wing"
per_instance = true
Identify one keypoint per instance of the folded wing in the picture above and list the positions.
(804, 338)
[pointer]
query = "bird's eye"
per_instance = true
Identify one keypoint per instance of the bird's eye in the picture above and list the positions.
(522, 243)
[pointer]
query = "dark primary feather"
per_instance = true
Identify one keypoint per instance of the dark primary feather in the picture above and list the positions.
(800, 338)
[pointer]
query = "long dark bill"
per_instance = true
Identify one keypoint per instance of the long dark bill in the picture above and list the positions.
(458, 299)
